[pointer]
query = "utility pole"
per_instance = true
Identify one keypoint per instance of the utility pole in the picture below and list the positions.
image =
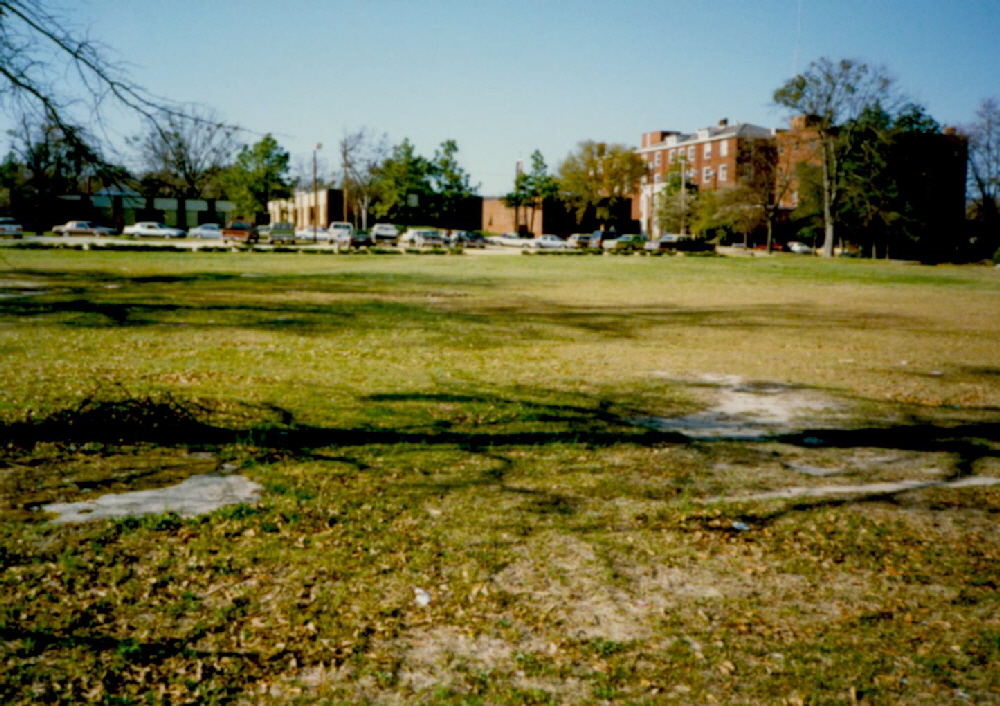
(683, 195)
(315, 208)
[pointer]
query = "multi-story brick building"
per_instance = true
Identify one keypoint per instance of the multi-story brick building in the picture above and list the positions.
(712, 158)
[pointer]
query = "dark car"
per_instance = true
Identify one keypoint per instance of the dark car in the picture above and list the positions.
(467, 239)
(353, 239)
(599, 237)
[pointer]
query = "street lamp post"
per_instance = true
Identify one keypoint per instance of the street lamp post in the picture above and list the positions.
(319, 146)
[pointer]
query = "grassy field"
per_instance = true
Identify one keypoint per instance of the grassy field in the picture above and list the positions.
(460, 506)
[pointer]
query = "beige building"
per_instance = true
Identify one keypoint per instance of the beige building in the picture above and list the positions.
(307, 208)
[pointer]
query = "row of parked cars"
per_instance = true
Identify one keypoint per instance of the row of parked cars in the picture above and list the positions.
(344, 234)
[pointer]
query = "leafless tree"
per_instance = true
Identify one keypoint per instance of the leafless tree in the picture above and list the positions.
(362, 154)
(54, 74)
(188, 152)
(768, 174)
(984, 158)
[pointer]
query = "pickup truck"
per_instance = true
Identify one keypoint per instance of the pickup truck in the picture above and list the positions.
(9, 228)
(241, 231)
(82, 228)
(283, 232)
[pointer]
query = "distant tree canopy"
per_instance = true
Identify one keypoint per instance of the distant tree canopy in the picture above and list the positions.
(531, 190)
(835, 94)
(600, 176)
(413, 189)
(259, 174)
(887, 202)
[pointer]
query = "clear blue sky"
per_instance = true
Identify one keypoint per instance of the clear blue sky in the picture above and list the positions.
(504, 78)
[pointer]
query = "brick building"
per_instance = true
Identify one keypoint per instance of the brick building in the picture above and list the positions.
(711, 158)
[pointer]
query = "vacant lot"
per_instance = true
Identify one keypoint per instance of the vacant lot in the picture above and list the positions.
(491, 480)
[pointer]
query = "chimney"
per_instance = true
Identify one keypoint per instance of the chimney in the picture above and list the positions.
(724, 122)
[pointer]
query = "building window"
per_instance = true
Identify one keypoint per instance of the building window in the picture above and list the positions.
(724, 148)
(706, 150)
(657, 178)
(659, 158)
(723, 172)
(706, 175)
(670, 156)
(691, 153)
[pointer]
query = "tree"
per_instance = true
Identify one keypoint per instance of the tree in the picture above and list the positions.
(833, 94)
(363, 154)
(984, 163)
(259, 174)
(541, 185)
(531, 190)
(39, 50)
(519, 198)
(450, 182)
(600, 176)
(403, 185)
(187, 154)
(767, 174)
(676, 199)
(46, 162)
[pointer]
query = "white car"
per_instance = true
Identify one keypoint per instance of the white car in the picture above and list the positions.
(550, 242)
(340, 231)
(207, 231)
(82, 228)
(152, 229)
(800, 248)
(309, 234)
(385, 233)
(8, 226)
(422, 237)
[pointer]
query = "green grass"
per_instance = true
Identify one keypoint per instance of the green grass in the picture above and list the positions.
(462, 425)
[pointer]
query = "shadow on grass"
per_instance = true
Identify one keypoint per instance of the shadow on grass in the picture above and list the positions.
(164, 420)
(274, 433)
(94, 299)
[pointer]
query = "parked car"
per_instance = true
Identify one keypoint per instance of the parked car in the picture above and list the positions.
(667, 241)
(679, 242)
(579, 241)
(344, 238)
(241, 231)
(467, 239)
(513, 240)
(626, 243)
(310, 233)
(10, 228)
(385, 233)
(282, 232)
(153, 229)
(338, 228)
(599, 237)
(206, 231)
(422, 237)
(82, 228)
(550, 242)
(800, 248)
(774, 246)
